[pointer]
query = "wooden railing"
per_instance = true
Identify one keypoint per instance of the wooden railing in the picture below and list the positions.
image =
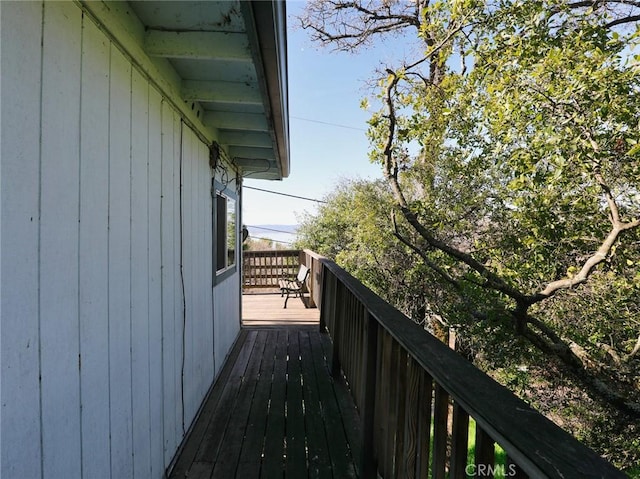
(263, 269)
(416, 397)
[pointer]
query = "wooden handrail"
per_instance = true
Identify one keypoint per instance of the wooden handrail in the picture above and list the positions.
(263, 269)
(404, 380)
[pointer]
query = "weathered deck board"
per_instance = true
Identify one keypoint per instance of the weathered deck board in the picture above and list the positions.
(249, 465)
(274, 412)
(319, 461)
(272, 461)
(267, 310)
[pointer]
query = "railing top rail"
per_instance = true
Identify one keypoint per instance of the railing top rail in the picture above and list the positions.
(272, 252)
(313, 254)
(537, 445)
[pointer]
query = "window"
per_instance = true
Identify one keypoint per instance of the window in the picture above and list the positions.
(225, 231)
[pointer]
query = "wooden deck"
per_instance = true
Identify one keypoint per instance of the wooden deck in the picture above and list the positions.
(267, 310)
(274, 412)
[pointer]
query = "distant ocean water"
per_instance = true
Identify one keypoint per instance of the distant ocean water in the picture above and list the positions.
(284, 233)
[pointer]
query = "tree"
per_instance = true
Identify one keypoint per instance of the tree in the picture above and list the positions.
(511, 149)
(351, 227)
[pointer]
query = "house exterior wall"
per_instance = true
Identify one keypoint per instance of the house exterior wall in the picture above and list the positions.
(225, 303)
(108, 345)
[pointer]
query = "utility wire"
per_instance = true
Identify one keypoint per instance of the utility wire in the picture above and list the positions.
(269, 239)
(283, 194)
(328, 123)
(271, 229)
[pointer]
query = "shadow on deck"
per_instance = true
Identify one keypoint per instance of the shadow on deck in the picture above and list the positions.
(275, 410)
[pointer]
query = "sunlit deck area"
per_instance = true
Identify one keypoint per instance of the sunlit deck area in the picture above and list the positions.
(264, 309)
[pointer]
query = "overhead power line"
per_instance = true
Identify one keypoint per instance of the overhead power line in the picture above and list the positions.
(328, 123)
(269, 239)
(283, 194)
(271, 229)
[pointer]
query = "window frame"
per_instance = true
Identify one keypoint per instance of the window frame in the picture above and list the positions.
(219, 191)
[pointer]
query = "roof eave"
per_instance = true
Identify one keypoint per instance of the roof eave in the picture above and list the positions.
(266, 28)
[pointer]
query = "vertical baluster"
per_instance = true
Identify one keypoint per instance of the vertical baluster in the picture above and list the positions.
(383, 416)
(377, 428)
(344, 327)
(276, 267)
(352, 342)
(354, 374)
(392, 412)
(347, 320)
(440, 416)
(368, 463)
(265, 262)
(245, 270)
(425, 400)
(459, 442)
(338, 328)
(353, 350)
(400, 468)
(248, 271)
(273, 266)
(334, 305)
(362, 344)
(265, 269)
(255, 261)
(411, 419)
(485, 453)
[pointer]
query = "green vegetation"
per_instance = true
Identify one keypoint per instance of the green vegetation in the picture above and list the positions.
(510, 208)
(500, 455)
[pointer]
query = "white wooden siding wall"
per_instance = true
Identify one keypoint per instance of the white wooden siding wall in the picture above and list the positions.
(20, 338)
(226, 304)
(94, 230)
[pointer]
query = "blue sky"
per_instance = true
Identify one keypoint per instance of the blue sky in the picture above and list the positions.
(327, 87)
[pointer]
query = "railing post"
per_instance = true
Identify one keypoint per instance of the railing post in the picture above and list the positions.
(324, 301)
(368, 463)
(312, 280)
